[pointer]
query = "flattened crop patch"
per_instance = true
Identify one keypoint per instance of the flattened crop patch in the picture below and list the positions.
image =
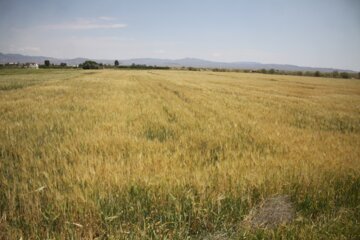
(271, 213)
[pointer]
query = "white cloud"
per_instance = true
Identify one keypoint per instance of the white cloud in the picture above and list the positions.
(83, 24)
(160, 51)
(104, 18)
(216, 54)
(29, 49)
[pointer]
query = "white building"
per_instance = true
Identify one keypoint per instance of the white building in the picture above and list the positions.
(32, 65)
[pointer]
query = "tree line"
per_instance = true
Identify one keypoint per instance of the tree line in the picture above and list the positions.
(89, 64)
(333, 74)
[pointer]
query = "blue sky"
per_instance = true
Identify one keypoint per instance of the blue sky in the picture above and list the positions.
(319, 33)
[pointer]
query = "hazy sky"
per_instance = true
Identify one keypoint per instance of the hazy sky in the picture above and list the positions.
(321, 33)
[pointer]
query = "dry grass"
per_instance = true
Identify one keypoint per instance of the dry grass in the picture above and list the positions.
(175, 154)
(271, 213)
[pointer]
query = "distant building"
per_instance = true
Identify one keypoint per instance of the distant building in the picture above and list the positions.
(32, 65)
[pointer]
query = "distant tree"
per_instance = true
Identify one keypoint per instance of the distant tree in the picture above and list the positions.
(335, 74)
(299, 73)
(193, 69)
(263, 70)
(317, 74)
(358, 75)
(272, 71)
(47, 63)
(344, 75)
(90, 65)
(63, 64)
(116, 63)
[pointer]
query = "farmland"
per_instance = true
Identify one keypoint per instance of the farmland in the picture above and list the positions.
(119, 154)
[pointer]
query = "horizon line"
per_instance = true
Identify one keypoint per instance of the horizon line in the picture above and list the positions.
(175, 59)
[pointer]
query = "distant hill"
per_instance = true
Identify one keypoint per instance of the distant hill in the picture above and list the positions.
(185, 62)
(7, 58)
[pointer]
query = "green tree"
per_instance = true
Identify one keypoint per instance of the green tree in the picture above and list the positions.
(116, 63)
(345, 75)
(47, 63)
(335, 74)
(317, 74)
(90, 65)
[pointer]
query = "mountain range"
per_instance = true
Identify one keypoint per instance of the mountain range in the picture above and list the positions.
(184, 62)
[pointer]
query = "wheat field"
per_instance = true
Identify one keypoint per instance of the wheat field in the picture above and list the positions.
(156, 154)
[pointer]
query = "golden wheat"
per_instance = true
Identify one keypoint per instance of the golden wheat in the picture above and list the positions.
(175, 154)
